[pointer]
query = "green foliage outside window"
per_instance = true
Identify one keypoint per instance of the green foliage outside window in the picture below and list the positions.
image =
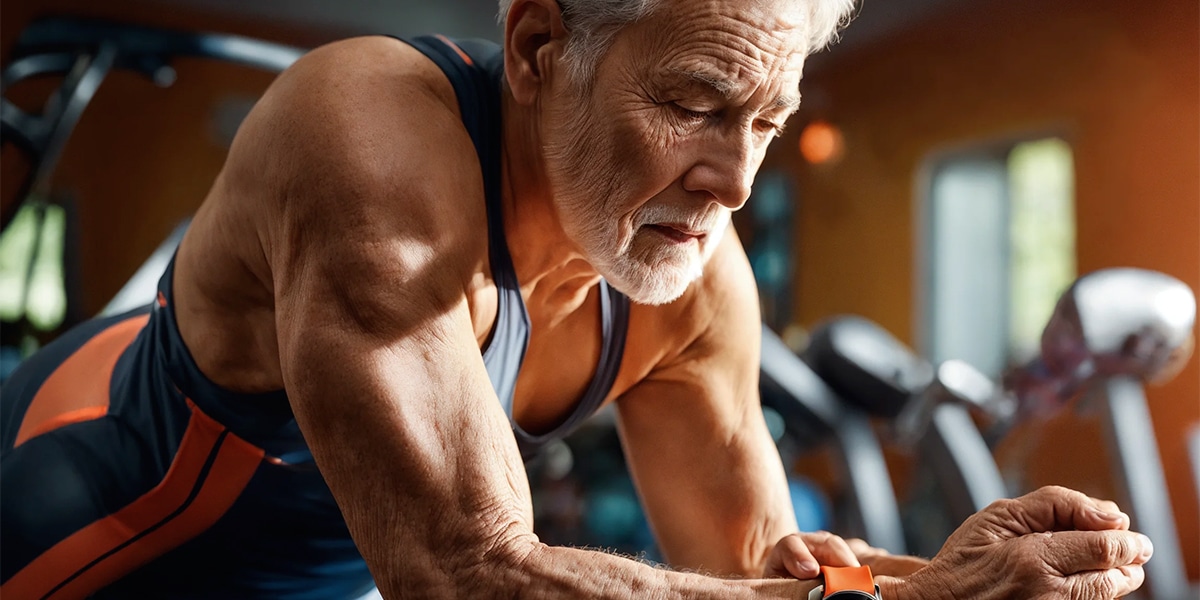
(1042, 230)
(31, 267)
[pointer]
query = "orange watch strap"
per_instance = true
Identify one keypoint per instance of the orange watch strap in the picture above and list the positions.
(843, 579)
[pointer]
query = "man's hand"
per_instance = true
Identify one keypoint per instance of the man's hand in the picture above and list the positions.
(801, 555)
(1055, 544)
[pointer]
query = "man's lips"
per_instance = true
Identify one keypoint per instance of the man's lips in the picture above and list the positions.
(677, 233)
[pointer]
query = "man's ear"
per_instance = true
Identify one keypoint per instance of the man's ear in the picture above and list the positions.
(534, 39)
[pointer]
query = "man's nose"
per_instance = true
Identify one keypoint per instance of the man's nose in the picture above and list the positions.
(726, 168)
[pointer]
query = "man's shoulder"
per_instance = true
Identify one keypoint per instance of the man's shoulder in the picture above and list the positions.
(354, 149)
(370, 63)
(360, 127)
(369, 95)
(374, 64)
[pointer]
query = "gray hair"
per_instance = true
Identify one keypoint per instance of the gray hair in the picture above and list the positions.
(594, 23)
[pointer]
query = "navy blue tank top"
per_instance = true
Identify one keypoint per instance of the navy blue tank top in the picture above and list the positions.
(476, 69)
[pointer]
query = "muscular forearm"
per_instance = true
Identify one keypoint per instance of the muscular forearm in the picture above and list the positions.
(1089, 554)
(549, 572)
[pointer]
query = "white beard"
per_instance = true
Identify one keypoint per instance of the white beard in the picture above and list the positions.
(643, 266)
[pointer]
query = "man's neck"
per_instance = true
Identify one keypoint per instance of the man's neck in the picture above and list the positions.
(551, 268)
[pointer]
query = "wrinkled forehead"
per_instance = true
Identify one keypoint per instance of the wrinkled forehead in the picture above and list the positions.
(740, 38)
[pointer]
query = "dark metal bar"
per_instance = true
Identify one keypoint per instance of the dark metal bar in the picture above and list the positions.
(863, 470)
(961, 461)
(67, 107)
(869, 483)
(1138, 470)
(56, 35)
(85, 51)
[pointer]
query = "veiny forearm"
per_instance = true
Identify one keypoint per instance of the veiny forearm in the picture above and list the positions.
(717, 502)
(551, 572)
(528, 569)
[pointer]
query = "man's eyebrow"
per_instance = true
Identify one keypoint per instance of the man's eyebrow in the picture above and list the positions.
(721, 85)
(728, 88)
(788, 102)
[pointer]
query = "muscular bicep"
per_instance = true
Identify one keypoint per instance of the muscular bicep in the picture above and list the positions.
(369, 259)
(414, 447)
(407, 432)
(705, 465)
(381, 365)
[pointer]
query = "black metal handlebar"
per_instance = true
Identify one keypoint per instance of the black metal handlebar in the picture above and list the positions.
(83, 52)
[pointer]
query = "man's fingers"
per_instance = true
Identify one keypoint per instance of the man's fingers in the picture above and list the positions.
(1108, 506)
(1105, 585)
(791, 558)
(1070, 552)
(801, 555)
(1054, 508)
(862, 549)
(1107, 515)
(830, 550)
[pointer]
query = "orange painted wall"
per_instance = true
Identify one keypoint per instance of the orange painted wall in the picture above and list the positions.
(1120, 79)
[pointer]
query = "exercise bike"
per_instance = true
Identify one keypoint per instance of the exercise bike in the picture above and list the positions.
(1111, 332)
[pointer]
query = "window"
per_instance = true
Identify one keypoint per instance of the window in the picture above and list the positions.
(31, 267)
(998, 247)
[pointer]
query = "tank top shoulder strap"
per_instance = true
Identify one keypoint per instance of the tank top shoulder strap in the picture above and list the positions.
(614, 327)
(474, 68)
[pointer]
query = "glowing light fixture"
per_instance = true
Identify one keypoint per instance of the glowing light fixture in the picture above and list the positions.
(821, 143)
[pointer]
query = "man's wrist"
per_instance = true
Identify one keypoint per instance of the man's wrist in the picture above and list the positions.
(894, 565)
(895, 588)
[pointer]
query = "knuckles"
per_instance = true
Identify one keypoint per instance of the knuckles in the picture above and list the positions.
(817, 536)
(1113, 551)
(1054, 492)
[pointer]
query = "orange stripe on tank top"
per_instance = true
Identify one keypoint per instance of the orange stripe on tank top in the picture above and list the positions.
(78, 389)
(454, 47)
(208, 473)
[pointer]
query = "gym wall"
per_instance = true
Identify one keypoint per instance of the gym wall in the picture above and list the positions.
(1120, 79)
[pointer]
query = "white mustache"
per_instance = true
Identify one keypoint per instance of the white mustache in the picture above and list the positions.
(704, 222)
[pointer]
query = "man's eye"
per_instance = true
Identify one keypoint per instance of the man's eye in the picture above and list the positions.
(694, 115)
(768, 127)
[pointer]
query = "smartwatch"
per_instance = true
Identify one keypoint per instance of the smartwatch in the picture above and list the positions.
(846, 583)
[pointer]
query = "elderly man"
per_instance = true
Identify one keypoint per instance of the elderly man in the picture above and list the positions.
(423, 258)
